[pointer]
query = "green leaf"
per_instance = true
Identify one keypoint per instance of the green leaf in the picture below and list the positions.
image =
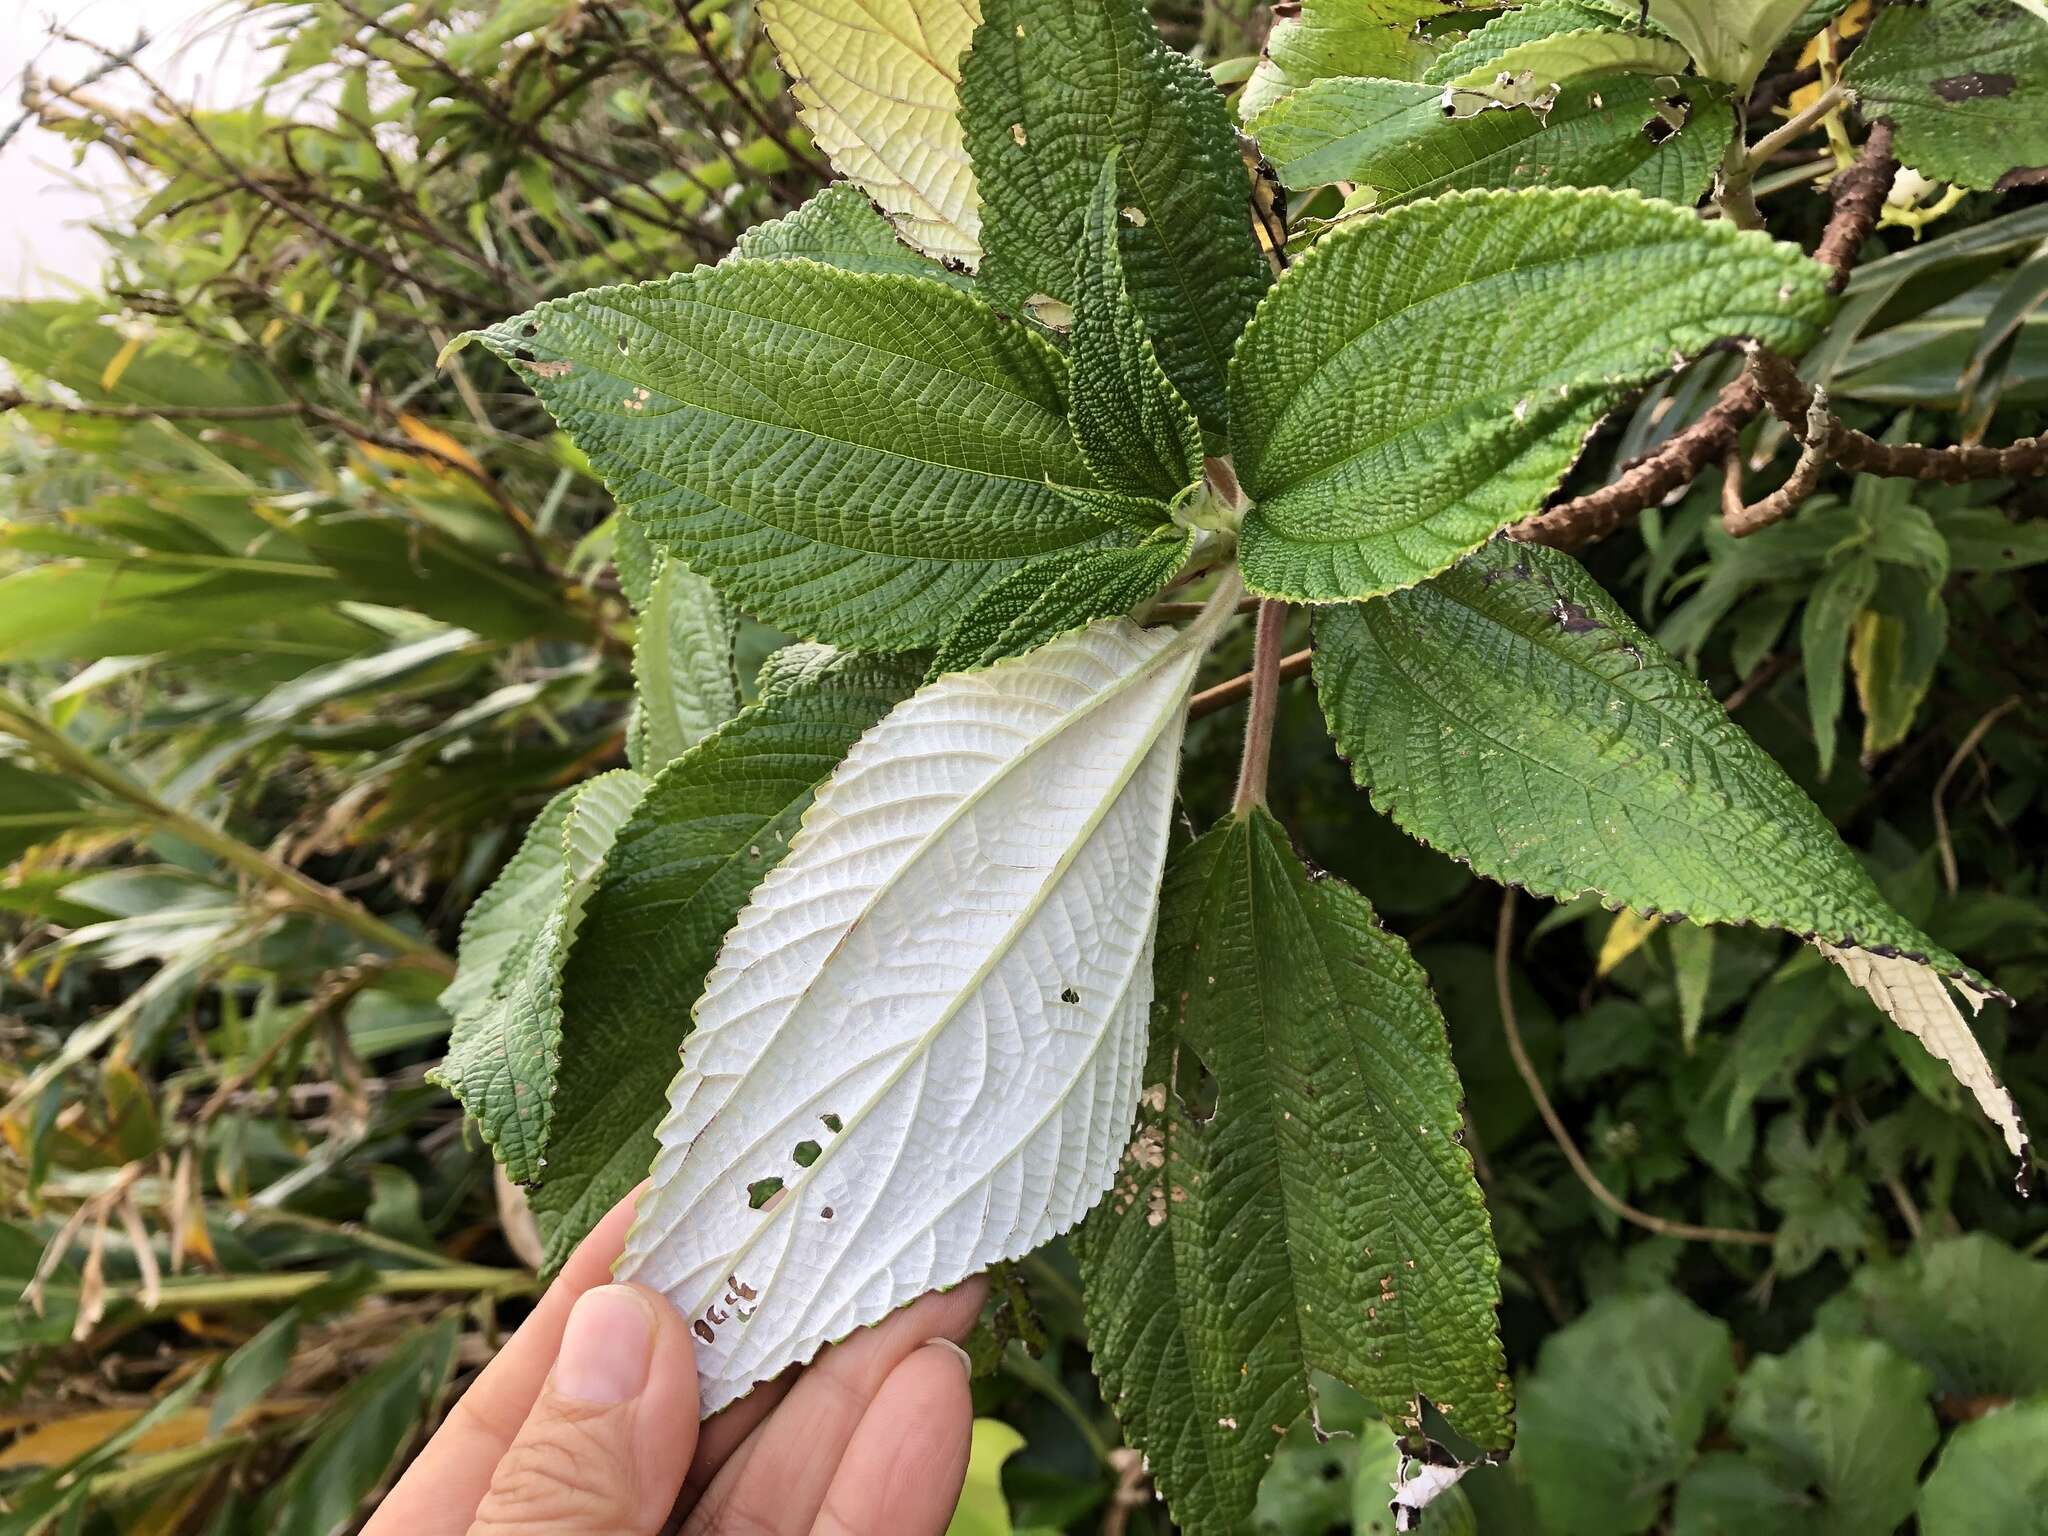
(1657, 136)
(1965, 84)
(1837, 1428)
(1615, 1407)
(684, 686)
(1050, 88)
(713, 822)
(1131, 424)
(363, 1431)
(982, 1510)
(1321, 38)
(1039, 602)
(877, 83)
(1728, 39)
(1951, 1305)
(1534, 71)
(852, 456)
(1993, 1476)
(1509, 713)
(1831, 612)
(841, 228)
(1509, 30)
(1897, 643)
(1418, 380)
(506, 914)
(503, 1056)
(1314, 1210)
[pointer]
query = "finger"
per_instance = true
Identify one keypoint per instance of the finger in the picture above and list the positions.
(908, 1457)
(604, 1450)
(719, 1436)
(776, 1481)
(440, 1491)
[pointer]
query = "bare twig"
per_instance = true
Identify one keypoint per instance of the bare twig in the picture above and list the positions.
(1950, 876)
(1741, 521)
(1503, 947)
(701, 36)
(1225, 694)
(1858, 195)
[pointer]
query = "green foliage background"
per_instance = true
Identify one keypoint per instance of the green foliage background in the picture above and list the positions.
(298, 630)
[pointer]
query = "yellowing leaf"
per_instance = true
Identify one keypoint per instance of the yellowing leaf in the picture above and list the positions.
(435, 441)
(118, 363)
(1625, 935)
(983, 1511)
(878, 84)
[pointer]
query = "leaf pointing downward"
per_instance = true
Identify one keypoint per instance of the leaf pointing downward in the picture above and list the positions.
(920, 1048)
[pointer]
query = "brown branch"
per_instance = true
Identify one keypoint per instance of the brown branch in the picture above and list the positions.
(1858, 196)
(1225, 694)
(1503, 947)
(1741, 521)
(1265, 691)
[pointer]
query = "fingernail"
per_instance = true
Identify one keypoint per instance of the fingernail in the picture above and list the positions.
(606, 1346)
(966, 1361)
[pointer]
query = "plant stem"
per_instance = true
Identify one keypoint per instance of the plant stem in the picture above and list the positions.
(1796, 126)
(1258, 725)
(299, 890)
(1222, 695)
(1737, 201)
(1503, 947)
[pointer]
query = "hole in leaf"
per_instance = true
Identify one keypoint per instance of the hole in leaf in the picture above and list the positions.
(1069, 995)
(623, 346)
(1196, 1087)
(806, 1153)
(833, 1123)
(529, 329)
(761, 1191)
(826, 1213)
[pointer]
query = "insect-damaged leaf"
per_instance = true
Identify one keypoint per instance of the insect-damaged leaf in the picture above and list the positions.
(1509, 30)
(1320, 38)
(1297, 1196)
(1419, 379)
(1965, 84)
(505, 1049)
(877, 83)
(1509, 713)
(853, 456)
(1131, 424)
(711, 824)
(1049, 89)
(1652, 134)
(840, 227)
(918, 1052)
(1533, 72)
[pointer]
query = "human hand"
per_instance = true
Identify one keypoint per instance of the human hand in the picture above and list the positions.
(586, 1425)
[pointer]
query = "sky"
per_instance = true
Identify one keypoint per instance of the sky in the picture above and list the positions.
(44, 196)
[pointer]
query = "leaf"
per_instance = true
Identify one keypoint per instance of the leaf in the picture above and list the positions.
(1508, 30)
(877, 83)
(1965, 84)
(1992, 1476)
(851, 456)
(1692, 966)
(1626, 934)
(1131, 424)
(1893, 652)
(1728, 39)
(364, 1431)
(1835, 1431)
(1824, 628)
(1509, 713)
(1320, 38)
(1314, 1209)
(683, 682)
(1950, 1305)
(1049, 90)
(1615, 1407)
(1657, 136)
(919, 1048)
(1534, 71)
(841, 228)
(503, 1055)
(983, 1511)
(508, 911)
(1039, 602)
(712, 823)
(1417, 380)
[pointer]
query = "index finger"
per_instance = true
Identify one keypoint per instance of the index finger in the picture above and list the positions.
(440, 1491)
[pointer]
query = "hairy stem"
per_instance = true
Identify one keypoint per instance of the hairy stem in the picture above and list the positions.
(1265, 690)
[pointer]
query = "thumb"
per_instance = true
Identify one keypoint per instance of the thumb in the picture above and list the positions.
(605, 1448)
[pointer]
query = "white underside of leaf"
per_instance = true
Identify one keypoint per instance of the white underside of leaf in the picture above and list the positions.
(877, 82)
(1916, 999)
(953, 966)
